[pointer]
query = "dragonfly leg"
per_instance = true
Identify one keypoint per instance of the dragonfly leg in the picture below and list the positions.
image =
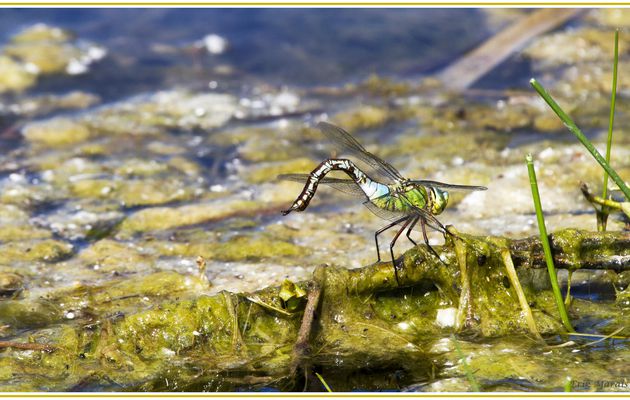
(378, 251)
(423, 224)
(415, 221)
(393, 242)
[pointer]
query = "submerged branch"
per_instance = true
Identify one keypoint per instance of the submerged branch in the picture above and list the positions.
(575, 249)
(470, 68)
(26, 346)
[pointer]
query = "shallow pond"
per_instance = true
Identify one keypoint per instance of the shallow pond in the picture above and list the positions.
(140, 150)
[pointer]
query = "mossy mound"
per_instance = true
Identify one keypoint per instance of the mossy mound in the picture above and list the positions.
(365, 321)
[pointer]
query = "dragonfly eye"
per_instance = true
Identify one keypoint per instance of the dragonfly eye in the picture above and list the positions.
(440, 200)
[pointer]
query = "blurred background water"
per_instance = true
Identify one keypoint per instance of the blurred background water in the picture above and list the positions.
(280, 46)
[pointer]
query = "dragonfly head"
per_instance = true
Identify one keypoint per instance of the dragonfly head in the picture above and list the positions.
(439, 200)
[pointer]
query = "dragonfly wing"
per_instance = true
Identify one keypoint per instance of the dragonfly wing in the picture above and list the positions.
(428, 218)
(448, 185)
(385, 214)
(348, 144)
(347, 186)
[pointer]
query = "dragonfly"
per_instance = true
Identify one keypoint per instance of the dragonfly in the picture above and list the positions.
(403, 202)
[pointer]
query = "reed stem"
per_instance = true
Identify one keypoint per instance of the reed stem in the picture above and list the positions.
(568, 122)
(602, 216)
(544, 239)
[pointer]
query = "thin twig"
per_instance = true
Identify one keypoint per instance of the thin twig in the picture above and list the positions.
(611, 336)
(302, 344)
(27, 346)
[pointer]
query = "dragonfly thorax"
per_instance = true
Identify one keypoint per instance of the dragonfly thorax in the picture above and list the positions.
(427, 198)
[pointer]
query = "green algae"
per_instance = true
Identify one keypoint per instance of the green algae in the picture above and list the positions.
(49, 49)
(364, 117)
(123, 295)
(131, 193)
(43, 50)
(162, 218)
(239, 340)
(13, 214)
(10, 284)
(33, 106)
(13, 233)
(260, 151)
(162, 111)
(292, 295)
(611, 17)
(15, 77)
(237, 248)
(111, 255)
(270, 172)
(185, 166)
(47, 250)
(385, 87)
(503, 115)
(571, 47)
(140, 167)
(369, 117)
(29, 314)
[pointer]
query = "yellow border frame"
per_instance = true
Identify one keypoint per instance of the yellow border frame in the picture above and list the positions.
(315, 3)
(323, 394)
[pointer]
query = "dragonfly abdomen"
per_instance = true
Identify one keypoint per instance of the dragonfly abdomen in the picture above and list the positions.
(371, 188)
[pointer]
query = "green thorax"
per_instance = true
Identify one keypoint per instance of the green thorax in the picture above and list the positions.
(407, 196)
(403, 199)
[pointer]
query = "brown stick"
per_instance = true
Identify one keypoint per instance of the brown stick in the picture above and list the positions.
(588, 250)
(472, 66)
(302, 345)
(26, 346)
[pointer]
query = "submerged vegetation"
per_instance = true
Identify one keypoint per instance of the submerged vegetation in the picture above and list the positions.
(142, 246)
(229, 341)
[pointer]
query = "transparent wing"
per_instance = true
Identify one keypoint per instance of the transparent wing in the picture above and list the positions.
(428, 218)
(448, 185)
(347, 186)
(346, 143)
(385, 214)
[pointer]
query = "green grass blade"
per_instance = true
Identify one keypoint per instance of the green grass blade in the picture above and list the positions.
(612, 112)
(611, 121)
(321, 379)
(469, 374)
(568, 384)
(568, 122)
(544, 239)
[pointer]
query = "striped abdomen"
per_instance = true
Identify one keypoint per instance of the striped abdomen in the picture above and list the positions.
(371, 188)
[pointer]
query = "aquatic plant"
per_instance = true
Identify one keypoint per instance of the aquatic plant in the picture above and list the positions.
(544, 239)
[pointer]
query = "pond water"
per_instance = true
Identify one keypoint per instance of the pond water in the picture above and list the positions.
(140, 150)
